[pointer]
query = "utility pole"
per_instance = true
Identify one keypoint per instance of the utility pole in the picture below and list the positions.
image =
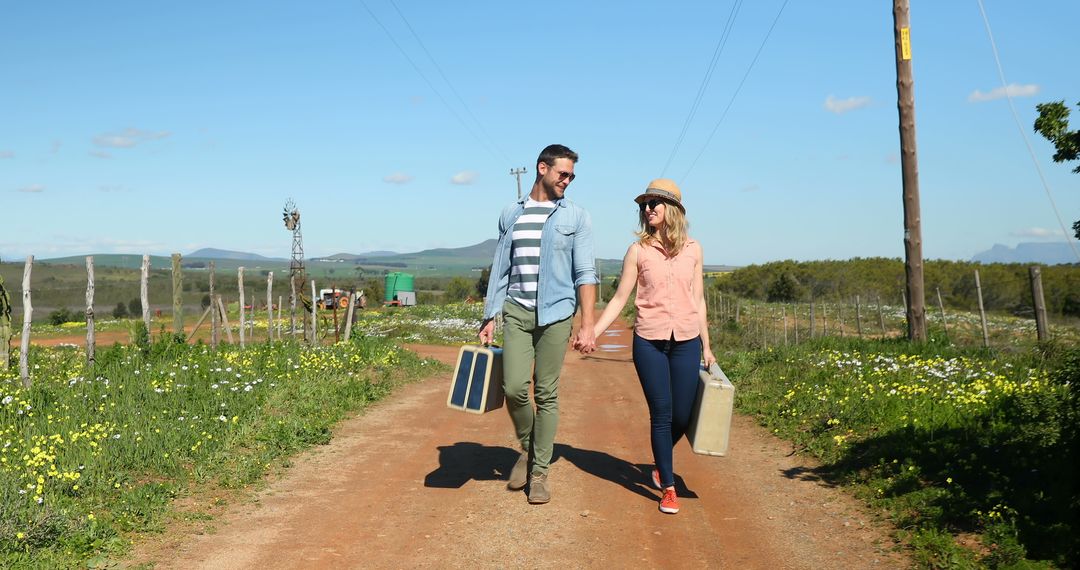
(517, 172)
(905, 102)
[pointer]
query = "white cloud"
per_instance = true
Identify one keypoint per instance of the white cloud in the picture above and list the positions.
(398, 178)
(128, 138)
(841, 106)
(751, 188)
(1037, 233)
(6, 154)
(100, 154)
(33, 189)
(1012, 90)
(464, 177)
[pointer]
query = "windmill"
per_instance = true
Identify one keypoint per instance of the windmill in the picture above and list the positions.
(297, 275)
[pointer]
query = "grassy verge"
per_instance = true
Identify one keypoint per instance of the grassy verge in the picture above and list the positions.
(955, 445)
(88, 457)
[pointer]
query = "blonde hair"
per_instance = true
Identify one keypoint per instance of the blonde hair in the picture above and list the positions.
(675, 229)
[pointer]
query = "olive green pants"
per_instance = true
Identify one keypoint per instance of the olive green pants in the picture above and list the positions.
(525, 344)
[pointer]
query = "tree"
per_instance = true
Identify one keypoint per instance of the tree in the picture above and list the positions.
(134, 307)
(457, 289)
(120, 311)
(482, 282)
(1053, 124)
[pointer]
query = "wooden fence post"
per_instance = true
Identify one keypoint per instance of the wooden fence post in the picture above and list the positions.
(858, 316)
(144, 291)
(240, 286)
(840, 317)
(28, 313)
(90, 310)
(824, 319)
(1041, 328)
(941, 307)
(795, 317)
(5, 327)
(270, 306)
(812, 331)
(215, 332)
(349, 315)
(982, 311)
(314, 308)
(292, 308)
(178, 295)
(279, 322)
(333, 299)
(225, 319)
(783, 315)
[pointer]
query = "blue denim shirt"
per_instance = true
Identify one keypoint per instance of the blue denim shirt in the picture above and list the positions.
(566, 261)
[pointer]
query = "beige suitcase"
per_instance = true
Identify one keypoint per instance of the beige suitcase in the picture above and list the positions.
(710, 422)
(476, 386)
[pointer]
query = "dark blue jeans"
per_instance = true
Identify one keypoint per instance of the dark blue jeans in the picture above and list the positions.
(668, 372)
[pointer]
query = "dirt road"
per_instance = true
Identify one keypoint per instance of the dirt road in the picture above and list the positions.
(412, 484)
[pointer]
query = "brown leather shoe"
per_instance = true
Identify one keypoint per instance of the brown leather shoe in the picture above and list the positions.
(539, 493)
(519, 475)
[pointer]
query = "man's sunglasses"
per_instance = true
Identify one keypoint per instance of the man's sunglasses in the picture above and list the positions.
(565, 175)
(651, 204)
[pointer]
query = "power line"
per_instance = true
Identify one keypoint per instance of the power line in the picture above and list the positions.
(426, 80)
(737, 89)
(1023, 133)
(448, 83)
(724, 35)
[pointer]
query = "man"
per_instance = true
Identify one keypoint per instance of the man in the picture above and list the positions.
(543, 268)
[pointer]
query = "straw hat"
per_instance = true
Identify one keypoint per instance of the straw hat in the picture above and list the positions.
(662, 188)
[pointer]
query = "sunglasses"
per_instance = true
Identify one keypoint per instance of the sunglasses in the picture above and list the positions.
(566, 175)
(651, 204)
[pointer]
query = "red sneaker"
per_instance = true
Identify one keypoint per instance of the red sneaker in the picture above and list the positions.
(669, 503)
(656, 479)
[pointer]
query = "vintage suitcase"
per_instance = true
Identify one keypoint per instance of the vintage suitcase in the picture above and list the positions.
(476, 385)
(710, 422)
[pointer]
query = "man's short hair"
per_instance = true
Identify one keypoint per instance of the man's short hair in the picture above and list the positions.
(554, 151)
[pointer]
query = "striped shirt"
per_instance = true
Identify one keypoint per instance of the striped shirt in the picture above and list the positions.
(525, 252)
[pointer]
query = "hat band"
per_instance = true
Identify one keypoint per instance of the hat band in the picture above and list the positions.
(663, 193)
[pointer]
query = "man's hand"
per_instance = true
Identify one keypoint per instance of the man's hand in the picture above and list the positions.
(585, 341)
(487, 332)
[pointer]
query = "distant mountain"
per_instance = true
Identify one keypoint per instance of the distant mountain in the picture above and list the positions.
(1028, 252)
(211, 253)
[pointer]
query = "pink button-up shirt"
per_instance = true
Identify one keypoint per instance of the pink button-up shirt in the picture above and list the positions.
(666, 302)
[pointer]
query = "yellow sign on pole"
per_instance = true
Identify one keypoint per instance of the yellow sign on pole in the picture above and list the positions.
(905, 43)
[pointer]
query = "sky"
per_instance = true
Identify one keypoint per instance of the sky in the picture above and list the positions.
(147, 127)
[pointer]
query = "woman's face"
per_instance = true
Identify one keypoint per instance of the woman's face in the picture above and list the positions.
(654, 212)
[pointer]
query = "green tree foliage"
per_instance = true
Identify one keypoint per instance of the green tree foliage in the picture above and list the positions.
(135, 307)
(482, 282)
(120, 311)
(63, 315)
(457, 290)
(1053, 124)
(1005, 286)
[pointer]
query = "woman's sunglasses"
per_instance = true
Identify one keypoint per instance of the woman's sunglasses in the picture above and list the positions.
(651, 204)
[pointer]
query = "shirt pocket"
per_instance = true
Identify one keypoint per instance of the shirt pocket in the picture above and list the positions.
(564, 236)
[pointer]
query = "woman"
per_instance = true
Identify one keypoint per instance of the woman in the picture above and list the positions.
(671, 334)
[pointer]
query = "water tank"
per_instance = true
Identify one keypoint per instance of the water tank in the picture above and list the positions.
(396, 282)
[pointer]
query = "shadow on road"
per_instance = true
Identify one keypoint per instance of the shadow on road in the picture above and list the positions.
(468, 461)
(634, 478)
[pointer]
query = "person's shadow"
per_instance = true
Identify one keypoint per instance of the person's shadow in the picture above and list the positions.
(467, 461)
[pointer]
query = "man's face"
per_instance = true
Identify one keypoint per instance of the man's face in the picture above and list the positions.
(556, 177)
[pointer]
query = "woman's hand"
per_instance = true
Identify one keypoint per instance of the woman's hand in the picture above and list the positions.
(708, 357)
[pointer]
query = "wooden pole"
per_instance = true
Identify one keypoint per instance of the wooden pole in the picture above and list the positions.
(278, 322)
(314, 308)
(333, 299)
(270, 306)
(90, 310)
(215, 322)
(240, 287)
(28, 313)
(840, 318)
(292, 309)
(982, 311)
(812, 331)
(905, 102)
(795, 315)
(5, 327)
(178, 298)
(199, 323)
(858, 315)
(225, 319)
(144, 291)
(941, 307)
(349, 315)
(824, 319)
(1041, 328)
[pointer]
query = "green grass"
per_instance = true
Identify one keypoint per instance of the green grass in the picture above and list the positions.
(91, 458)
(948, 441)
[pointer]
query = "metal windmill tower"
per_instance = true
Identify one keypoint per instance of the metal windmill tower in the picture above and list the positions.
(291, 217)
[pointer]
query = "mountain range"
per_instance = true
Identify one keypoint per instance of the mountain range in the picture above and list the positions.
(1028, 252)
